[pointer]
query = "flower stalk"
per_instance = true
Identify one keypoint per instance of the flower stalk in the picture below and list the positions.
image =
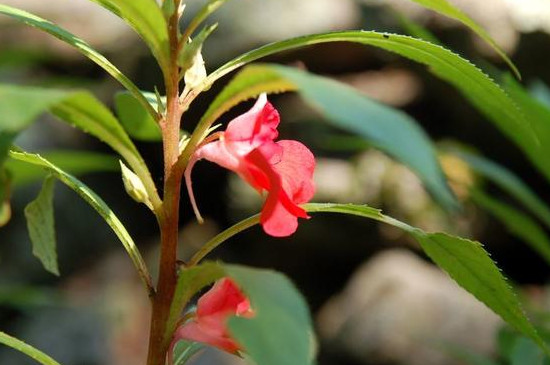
(159, 338)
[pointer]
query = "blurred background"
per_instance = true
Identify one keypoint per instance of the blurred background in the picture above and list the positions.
(375, 297)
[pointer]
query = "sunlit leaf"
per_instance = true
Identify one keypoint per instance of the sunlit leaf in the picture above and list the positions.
(447, 9)
(28, 350)
(476, 86)
(146, 17)
(78, 108)
(98, 204)
(80, 45)
(41, 226)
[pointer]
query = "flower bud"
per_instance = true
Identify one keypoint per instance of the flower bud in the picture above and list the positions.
(196, 74)
(134, 186)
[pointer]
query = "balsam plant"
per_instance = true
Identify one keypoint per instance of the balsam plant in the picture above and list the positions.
(254, 313)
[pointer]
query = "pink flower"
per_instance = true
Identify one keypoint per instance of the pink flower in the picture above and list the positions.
(214, 308)
(284, 169)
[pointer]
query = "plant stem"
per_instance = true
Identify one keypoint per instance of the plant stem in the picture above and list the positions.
(159, 340)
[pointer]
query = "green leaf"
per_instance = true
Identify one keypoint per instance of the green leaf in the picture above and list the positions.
(19, 107)
(471, 267)
(386, 128)
(280, 331)
(146, 17)
(519, 224)
(507, 181)
(40, 223)
(210, 7)
(80, 45)
(476, 86)
(447, 9)
(416, 30)
(464, 260)
(98, 204)
(80, 109)
(538, 115)
(28, 350)
(136, 120)
(74, 162)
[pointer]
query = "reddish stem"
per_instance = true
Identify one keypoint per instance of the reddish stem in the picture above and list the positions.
(159, 339)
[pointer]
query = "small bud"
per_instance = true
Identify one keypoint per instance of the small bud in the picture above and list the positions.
(196, 74)
(134, 186)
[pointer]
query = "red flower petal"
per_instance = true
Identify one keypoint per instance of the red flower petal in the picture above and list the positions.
(214, 308)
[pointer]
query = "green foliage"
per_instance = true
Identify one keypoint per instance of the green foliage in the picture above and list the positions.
(80, 109)
(136, 120)
(508, 182)
(41, 226)
(538, 116)
(72, 161)
(97, 203)
(80, 45)
(476, 86)
(447, 9)
(28, 350)
(280, 331)
(517, 223)
(464, 260)
(471, 267)
(386, 128)
(146, 17)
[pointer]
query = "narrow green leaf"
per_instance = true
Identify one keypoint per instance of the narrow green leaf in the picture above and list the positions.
(80, 109)
(136, 120)
(98, 204)
(280, 331)
(80, 45)
(416, 30)
(74, 162)
(447, 9)
(471, 267)
(41, 226)
(28, 350)
(210, 7)
(538, 115)
(386, 128)
(476, 86)
(464, 260)
(146, 17)
(519, 224)
(509, 182)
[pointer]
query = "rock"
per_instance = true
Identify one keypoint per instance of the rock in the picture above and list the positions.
(399, 309)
